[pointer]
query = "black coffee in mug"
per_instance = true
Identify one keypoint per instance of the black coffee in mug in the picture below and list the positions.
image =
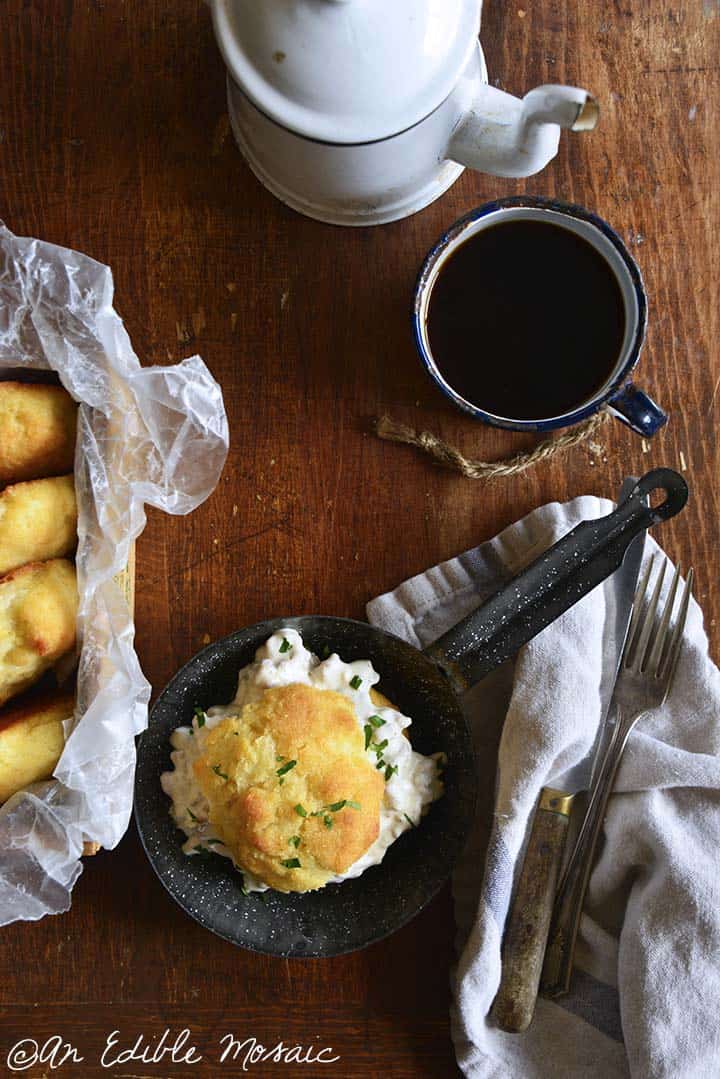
(525, 319)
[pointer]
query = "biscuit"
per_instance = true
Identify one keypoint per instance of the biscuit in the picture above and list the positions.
(37, 431)
(32, 739)
(38, 521)
(38, 608)
(291, 791)
(380, 700)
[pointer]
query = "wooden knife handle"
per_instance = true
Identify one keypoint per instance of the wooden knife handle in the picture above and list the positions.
(529, 918)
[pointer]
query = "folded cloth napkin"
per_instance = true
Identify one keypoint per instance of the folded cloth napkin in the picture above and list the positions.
(645, 998)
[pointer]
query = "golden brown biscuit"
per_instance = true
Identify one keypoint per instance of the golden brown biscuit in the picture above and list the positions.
(38, 608)
(37, 431)
(32, 739)
(291, 791)
(38, 520)
(380, 700)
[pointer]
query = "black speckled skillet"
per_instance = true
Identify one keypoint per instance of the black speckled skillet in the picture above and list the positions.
(343, 917)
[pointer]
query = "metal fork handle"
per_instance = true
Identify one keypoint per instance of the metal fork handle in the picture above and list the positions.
(570, 897)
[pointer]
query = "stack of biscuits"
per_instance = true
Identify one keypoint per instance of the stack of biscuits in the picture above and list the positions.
(38, 590)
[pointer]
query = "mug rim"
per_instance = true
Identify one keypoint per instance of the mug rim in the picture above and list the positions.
(451, 239)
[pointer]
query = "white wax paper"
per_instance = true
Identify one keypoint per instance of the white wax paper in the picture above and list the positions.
(155, 435)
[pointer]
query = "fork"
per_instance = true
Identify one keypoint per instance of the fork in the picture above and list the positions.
(645, 678)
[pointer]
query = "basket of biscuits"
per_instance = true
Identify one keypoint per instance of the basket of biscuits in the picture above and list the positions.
(87, 437)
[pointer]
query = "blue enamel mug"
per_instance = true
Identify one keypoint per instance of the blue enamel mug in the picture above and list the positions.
(617, 393)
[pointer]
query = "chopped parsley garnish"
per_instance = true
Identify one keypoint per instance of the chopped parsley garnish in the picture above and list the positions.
(216, 770)
(285, 768)
(368, 735)
(380, 764)
(191, 815)
(390, 771)
(301, 810)
(328, 821)
(410, 821)
(291, 863)
(355, 682)
(335, 807)
(200, 717)
(378, 747)
(285, 646)
(376, 721)
(294, 841)
(279, 758)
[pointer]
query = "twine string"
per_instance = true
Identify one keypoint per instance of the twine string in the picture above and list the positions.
(450, 457)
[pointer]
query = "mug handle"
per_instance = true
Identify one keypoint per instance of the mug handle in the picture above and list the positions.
(637, 410)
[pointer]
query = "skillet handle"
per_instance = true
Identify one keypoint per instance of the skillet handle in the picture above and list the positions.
(560, 577)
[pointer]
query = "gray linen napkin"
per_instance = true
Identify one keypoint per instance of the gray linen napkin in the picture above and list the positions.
(645, 999)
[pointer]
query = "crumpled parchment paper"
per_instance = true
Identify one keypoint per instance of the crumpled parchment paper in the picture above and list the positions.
(155, 435)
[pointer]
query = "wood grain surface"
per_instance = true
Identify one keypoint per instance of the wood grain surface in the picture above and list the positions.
(114, 141)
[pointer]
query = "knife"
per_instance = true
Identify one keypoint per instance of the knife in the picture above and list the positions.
(568, 902)
(529, 919)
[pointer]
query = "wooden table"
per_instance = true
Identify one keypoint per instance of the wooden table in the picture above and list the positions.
(114, 141)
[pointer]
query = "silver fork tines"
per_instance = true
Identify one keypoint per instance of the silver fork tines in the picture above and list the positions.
(655, 663)
(653, 646)
(637, 653)
(675, 645)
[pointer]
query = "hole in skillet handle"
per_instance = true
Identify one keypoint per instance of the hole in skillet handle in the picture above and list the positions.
(660, 480)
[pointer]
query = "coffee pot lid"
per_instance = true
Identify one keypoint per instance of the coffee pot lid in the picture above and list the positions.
(346, 71)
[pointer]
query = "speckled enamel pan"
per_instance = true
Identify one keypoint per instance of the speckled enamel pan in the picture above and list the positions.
(424, 685)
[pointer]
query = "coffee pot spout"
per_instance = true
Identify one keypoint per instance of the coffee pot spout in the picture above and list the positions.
(507, 136)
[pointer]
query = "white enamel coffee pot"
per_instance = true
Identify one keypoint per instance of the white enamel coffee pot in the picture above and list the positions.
(359, 112)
